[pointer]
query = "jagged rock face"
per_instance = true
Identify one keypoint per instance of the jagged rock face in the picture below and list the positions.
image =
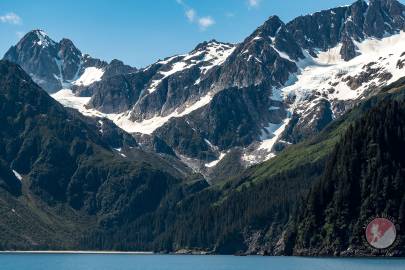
(169, 95)
(181, 80)
(49, 63)
(234, 118)
(163, 87)
(66, 157)
(348, 50)
(304, 126)
(240, 95)
(35, 53)
(265, 56)
(115, 94)
(182, 135)
(71, 58)
(240, 110)
(116, 67)
(325, 29)
(384, 16)
(56, 65)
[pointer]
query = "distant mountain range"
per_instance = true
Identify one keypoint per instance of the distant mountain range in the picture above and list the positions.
(215, 150)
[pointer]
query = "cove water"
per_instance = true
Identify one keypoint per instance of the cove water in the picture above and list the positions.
(188, 262)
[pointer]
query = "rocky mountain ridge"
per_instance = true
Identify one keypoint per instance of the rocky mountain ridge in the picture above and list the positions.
(57, 65)
(282, 84)
(52, 156)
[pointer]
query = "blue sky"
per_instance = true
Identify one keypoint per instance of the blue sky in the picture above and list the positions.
(140, 32)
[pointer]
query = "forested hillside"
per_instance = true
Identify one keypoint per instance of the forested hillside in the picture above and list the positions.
(364, 178)
(257, 211)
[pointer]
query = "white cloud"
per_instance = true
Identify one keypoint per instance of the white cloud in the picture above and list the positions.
(192, 16)
(10, 18)
(205, 22)
(253, 3)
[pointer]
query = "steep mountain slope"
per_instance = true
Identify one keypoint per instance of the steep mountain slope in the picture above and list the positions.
(70, 181)
(56, 65)
(64, 173)
(348, 25)
(255, 212)
(117, 202)
(364, 178)
(282, 84)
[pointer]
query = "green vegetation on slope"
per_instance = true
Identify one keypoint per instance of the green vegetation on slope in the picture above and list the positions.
(364, 178)
(78, 193)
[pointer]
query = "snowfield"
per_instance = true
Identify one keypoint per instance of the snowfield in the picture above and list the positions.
(329, 71)
(122, 120)
(326, 77)
(215, 54)
(89, 76)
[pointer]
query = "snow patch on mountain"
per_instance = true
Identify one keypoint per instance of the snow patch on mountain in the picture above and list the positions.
(283, 54)
(19, 177)
(43, 39)
(122, 120)
(215, 162)
(68, 99)
(335, 79)
(207, 57)
(148, 126)
(216, 55)
(329, 77)
(264, 150)
(325, 77)
(89, 76)
(176, 67)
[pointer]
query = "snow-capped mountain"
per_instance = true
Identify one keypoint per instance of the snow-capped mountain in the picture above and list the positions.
(57, 65)
(282, 84)
(161, 88)
(347, 25)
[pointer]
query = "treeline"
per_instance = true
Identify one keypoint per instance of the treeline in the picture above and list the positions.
(364, 178)
(216, 219)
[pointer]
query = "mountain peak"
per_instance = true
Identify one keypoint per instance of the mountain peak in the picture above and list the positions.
(38, 37)
(39, 33)
(68, 49)
(359, 21)
(52, 65)
(208, 44)
(272, 25)
(66, 42)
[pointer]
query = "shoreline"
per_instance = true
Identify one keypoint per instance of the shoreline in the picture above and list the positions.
(76, 252)
(94, 252)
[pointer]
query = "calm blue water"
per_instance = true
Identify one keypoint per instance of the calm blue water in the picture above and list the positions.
(171, 262)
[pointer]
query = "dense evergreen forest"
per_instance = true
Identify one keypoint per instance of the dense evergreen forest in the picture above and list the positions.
(313, 198)
(364, 178)
(359, 177)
